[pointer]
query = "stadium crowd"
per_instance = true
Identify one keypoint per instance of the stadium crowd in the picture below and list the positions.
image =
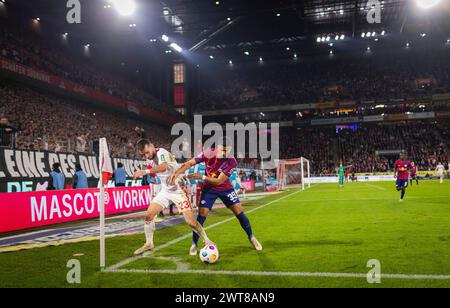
(24, 48)
(61, 125)
(311, 81)
(371, 148)
(46, 122)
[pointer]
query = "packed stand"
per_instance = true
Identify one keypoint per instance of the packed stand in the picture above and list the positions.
(46, 122)
(23, 48)
(357, 79)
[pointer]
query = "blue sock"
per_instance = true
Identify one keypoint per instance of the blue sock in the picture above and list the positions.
(195, 236)
(245, 224)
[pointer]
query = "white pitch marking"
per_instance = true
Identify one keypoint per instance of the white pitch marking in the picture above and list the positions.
(284, 274)
(376, 186)
(373, 199)
(177, 240)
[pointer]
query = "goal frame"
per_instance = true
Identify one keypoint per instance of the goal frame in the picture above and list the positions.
(305, 172)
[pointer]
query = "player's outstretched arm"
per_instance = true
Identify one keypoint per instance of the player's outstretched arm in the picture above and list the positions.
(209, 180)
(185, 167)
(157, 169)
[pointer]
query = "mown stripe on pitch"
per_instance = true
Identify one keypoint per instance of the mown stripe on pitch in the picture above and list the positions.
(283, 274)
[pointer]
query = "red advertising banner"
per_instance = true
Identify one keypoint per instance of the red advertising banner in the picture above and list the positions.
(20, 211)
(79, 89)
(248, 185)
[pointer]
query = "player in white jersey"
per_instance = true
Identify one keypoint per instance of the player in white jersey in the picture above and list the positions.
(440, 169)
(164, 166)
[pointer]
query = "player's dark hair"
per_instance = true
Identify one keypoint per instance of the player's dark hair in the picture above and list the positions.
(142, 143)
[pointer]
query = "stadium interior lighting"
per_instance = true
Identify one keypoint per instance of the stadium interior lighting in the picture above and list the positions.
(427, 4)
(176, 47)
(124, 7)
(165, 38)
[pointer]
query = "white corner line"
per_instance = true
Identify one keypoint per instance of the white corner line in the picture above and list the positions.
(179, 239)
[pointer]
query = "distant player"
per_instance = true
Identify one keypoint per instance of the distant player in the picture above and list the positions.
(413, 174)
(341, 173)
(165, 165)
(440, 169)
(237, 184)
(402, 167)
(219, 168)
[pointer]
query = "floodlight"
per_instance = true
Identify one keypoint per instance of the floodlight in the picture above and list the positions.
(124, 7)
(427, 4)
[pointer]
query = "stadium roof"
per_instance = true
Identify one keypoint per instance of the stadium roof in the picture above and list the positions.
(228, 28)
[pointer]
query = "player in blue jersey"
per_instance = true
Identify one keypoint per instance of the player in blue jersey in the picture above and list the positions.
(219, 167)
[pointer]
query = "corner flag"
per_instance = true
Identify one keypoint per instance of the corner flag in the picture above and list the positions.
(105, 162)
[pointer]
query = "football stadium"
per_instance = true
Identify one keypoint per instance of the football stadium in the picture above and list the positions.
(234, 145)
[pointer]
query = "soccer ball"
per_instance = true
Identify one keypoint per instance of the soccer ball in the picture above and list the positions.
(209, 254)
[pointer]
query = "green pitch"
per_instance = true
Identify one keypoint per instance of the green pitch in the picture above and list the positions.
(311, 239)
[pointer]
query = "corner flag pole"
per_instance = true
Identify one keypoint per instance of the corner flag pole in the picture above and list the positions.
(102, 224)
(106, 172)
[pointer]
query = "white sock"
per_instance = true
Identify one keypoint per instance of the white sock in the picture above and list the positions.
(149, 229)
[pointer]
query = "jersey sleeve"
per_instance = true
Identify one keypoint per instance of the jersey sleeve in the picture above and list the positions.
(229, 166)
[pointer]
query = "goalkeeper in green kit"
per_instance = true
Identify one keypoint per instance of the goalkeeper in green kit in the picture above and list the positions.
(341, 173)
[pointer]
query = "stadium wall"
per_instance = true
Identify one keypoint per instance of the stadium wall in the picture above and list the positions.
(24, 170)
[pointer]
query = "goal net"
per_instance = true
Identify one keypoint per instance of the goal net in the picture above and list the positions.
(294, 172)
